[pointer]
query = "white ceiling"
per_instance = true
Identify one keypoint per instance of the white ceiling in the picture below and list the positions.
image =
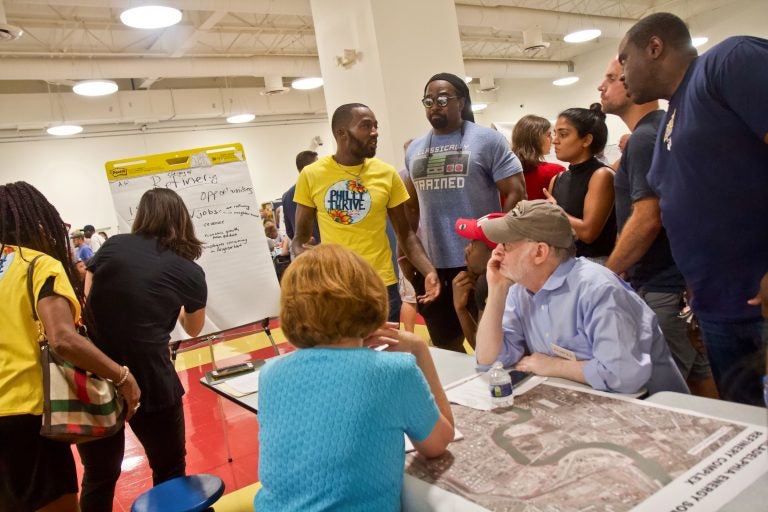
(231, 44)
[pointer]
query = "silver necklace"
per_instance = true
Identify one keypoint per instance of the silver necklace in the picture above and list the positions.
(356, 176)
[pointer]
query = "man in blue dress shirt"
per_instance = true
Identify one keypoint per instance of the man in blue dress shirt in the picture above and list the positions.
(558, 316)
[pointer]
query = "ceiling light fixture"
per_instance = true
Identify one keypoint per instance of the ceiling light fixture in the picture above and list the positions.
(698, 41)
(150, 16)
(305, 84)
(477, 107)
(568, 80)
(95, 87)
(581, 36)
(65, 129)
(241, 118)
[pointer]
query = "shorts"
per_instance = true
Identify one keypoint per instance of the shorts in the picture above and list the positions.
(691, 362)
(407, 293)
(34, 470)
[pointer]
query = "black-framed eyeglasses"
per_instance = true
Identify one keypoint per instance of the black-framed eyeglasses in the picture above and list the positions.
(440, 101)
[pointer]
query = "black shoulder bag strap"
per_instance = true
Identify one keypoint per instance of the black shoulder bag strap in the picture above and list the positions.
(30, 290)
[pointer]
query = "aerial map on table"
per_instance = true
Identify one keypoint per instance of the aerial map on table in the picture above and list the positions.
(563, 449)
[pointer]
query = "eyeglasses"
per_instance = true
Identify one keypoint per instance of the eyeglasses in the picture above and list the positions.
(441, 101)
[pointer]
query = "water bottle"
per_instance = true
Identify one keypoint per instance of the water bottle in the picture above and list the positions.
(500, 386)
(765, 389)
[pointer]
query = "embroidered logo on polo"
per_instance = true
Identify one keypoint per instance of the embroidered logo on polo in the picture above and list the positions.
(347, 201)
(668, 130)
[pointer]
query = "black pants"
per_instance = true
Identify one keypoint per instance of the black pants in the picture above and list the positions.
(34, 470)
(162, 435)
(440, 316)
(395, 303)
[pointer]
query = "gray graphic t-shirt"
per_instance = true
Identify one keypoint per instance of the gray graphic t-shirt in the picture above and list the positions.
(455, 177)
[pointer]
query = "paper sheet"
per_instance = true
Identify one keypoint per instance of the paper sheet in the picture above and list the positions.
(473, 391)
(244, 384)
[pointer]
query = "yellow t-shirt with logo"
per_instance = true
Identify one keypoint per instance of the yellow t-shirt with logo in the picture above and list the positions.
(21, 377)
(352, 205)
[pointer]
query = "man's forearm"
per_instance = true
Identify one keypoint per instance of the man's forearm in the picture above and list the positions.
(571, 370)
(515, 193)
(635, 239)
(468, 324)
(416, 254)
(490, 335)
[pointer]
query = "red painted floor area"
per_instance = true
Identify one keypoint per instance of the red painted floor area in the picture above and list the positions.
(206, 438)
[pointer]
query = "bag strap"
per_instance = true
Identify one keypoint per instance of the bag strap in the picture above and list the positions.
(30, 291)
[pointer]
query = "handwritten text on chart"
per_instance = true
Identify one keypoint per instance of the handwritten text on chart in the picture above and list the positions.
(183, 179)
(221, 235)
(227, 246)
(238, 209)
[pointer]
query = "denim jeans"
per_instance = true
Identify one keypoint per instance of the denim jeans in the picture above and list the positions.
(162, 435)
(737, 357)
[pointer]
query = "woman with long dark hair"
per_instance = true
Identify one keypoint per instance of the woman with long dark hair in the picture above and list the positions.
(138, 285)
(37, 473)
(531, 140)
(585, 190)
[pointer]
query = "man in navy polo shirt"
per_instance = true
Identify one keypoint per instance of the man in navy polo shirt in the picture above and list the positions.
(710, 170)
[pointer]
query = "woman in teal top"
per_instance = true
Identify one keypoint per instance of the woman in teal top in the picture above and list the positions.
(332, 415)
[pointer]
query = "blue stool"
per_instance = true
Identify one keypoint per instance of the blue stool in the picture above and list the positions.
(193, 493)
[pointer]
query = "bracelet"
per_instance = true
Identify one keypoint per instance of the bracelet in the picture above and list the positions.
(124, 371)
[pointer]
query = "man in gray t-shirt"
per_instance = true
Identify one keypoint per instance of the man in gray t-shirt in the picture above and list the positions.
(457, 170)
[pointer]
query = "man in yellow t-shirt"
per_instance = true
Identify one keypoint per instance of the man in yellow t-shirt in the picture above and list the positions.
(351, 194)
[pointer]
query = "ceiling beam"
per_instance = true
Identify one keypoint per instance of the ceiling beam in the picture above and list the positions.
(115, 68)
(153, 69)
(205, 26)
(281, 7)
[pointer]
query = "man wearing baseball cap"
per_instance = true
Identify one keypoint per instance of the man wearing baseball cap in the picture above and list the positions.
(576, 319)
(94, 239)
(470, 289)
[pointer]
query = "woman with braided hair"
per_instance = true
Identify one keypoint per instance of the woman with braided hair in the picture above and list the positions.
(37, 473)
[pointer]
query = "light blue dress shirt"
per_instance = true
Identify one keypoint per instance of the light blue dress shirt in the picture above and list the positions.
(587, 309)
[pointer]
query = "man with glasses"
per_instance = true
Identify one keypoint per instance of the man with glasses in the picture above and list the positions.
(574, 318)
(457, 170)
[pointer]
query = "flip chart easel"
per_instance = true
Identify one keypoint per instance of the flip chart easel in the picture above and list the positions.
(216, 186)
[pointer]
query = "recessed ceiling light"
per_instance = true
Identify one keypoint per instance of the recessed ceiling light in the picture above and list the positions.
(698, 41)
(241, 118)
(150, 16)
(582, 36)
(477, 107)
(65, 129)
(303, 84)
(95, 87)
(568, 80)
(467, 79)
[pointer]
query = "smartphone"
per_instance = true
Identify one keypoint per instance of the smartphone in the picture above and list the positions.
(231, 371)
(518, 377)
